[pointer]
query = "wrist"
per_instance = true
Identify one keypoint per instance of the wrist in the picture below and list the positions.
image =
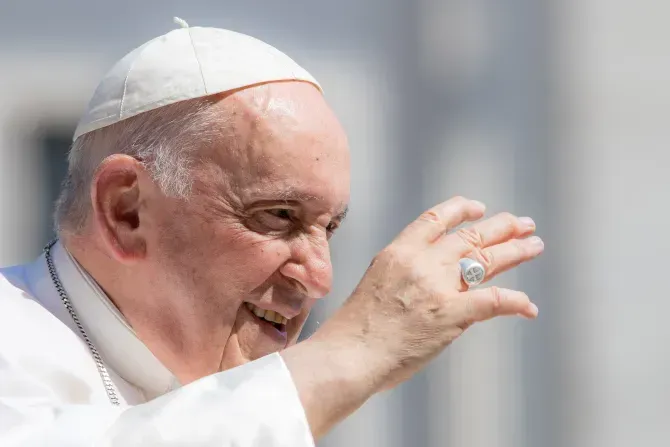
(333, 376)
(359, 333)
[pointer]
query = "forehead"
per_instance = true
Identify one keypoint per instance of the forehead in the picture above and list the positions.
(285, 139)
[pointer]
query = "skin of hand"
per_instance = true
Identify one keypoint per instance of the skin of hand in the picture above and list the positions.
(410, 305)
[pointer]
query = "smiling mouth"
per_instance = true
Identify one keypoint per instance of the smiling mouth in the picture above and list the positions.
(269, 316)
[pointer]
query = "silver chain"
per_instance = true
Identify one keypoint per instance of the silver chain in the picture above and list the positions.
(104, 375)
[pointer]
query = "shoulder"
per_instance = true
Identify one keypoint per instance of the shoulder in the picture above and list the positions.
(27, 322)
(27, 293)
(35, 345)
(20, 311)
(12, 279)
(16, 289)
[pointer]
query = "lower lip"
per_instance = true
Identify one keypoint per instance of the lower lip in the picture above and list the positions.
(268, 328)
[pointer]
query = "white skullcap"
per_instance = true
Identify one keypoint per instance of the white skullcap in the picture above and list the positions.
(183, 64)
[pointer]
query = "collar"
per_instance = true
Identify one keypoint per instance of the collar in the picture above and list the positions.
(119, 346)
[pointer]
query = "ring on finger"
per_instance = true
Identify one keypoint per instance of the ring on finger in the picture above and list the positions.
(473, 272)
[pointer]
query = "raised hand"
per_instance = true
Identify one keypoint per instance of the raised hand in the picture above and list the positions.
(411, 304)
(412, 301)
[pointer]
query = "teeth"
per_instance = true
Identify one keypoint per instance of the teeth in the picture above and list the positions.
(268, 315)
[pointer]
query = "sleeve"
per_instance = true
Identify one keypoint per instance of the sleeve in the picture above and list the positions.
(256, 404)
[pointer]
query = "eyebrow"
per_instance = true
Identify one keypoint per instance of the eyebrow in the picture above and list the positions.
(295, 195)
(343, 214)
(292, 194)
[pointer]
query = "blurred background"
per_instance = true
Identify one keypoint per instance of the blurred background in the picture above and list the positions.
(559, 110)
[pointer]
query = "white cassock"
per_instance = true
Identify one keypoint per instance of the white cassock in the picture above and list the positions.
(51, 393)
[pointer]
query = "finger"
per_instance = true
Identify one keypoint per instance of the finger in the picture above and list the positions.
(433, 223)
(484, 304)
(499, 228)
(502, 257)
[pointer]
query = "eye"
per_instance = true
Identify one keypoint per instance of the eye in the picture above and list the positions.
(332, 227)
(276, 219)
(280, 213)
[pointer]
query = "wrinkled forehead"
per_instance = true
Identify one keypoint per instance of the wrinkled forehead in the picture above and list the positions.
(283, 136)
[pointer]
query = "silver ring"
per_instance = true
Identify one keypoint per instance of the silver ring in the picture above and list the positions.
(472, 272)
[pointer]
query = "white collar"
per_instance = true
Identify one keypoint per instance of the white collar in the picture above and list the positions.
(119, 346)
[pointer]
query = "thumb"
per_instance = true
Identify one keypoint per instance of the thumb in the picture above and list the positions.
(484, 304)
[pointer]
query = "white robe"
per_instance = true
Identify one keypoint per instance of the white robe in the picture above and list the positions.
(51, 393)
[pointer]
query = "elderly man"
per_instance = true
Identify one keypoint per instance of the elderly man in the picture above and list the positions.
(205, 181)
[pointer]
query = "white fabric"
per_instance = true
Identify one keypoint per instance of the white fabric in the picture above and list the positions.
(52, 395)
(184, 64)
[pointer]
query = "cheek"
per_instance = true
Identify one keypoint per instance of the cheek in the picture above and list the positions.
(223, 257)
(254, 255)
(240, 258)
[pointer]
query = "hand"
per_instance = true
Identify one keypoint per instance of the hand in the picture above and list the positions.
(408, 307)
(412, 301)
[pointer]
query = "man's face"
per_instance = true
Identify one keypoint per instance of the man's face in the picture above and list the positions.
(254, 235)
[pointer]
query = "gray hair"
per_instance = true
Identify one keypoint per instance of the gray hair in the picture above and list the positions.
(165, 140)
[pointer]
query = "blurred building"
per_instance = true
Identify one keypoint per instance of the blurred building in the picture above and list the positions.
(556, 110)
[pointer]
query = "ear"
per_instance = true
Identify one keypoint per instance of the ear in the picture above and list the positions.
(117, 197)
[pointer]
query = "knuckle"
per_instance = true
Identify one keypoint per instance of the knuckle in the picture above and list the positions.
(522, 249)
(496, 299)
(459, 203)
(430, 216)
(509, 220)
(470, 316)
(486, 258)
(471, 237)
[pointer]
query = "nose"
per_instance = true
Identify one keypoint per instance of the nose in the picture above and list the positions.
(310, 265)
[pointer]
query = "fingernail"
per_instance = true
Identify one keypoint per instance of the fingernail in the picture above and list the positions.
(536, 242)
(533, 309)
(479, 204)
(527, 221)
